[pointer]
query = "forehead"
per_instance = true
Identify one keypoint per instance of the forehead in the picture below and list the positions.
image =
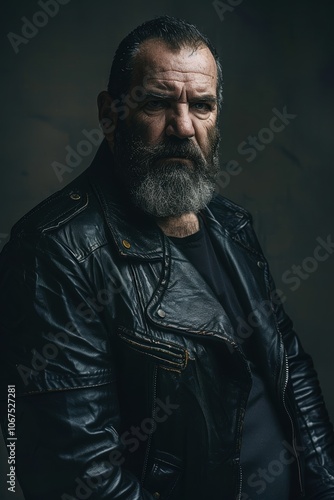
(159, 66)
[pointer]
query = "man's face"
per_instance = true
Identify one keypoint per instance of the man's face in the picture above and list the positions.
(167, 149)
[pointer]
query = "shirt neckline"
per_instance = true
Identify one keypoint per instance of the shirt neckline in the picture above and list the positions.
(186, 240)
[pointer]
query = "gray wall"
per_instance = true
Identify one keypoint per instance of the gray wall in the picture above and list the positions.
(274, 54)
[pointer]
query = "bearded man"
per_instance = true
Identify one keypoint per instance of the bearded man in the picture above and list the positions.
(140, 327)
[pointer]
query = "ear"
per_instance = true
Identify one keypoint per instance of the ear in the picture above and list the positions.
(107, 117)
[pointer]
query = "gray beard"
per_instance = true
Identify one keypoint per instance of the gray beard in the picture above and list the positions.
(171, 192)
(166, 188)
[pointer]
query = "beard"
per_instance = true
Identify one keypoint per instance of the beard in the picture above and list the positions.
(169, 179)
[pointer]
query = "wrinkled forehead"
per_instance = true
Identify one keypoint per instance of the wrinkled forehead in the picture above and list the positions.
(158, 64)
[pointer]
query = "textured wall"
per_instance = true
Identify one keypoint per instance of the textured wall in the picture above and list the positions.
(274, 54)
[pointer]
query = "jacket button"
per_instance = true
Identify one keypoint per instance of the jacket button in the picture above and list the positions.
(239, 215)
(261, 264)
(161, 313)
(126, 244)
(75, 196)
(156, 495)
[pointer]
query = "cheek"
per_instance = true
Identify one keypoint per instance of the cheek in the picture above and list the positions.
(151, 127)
(203, 136)
(206, 136)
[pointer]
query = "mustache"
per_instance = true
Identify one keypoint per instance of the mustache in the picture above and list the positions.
(171, 149)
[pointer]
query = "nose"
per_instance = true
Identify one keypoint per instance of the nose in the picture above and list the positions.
(180, 123)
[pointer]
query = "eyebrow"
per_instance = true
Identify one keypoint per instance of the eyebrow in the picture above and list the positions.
(202, 98)
(205, 98)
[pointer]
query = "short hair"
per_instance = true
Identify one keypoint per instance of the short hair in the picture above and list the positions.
(176, 33)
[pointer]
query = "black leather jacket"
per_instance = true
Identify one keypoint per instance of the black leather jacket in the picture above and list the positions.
(130, 381)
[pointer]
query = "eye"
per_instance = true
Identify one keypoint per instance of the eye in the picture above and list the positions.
(202, 107)
(155, 105)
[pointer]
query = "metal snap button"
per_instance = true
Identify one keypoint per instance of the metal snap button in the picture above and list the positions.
(261, 264)
(75, 196)
(161, 313)
(239, 215)
(126, 244)
(156, 495)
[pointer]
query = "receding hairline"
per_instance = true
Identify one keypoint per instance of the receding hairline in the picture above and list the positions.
(145, 47)
(175, 48)
(174, 34)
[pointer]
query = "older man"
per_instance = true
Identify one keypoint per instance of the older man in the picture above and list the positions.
(140, 328)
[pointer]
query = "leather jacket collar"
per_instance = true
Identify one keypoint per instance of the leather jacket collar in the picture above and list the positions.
(136, 234)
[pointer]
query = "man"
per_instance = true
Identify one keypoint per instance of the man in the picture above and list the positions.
(149, 352)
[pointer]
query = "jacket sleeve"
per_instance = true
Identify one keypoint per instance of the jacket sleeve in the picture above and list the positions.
(61, 364)
(314, 426)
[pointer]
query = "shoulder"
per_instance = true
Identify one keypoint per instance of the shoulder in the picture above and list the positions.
(55, 210)
(237, 222)
(231, 215)
(70, 216)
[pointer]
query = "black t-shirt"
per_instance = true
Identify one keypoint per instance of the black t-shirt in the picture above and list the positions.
(266, 474)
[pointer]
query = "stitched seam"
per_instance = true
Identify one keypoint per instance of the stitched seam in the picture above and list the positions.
(139, 296)
(17, 227)
(170, 369)
(171, 345)
(310, 435)
(168, 463)
(72, 214)
(68, 388)
(157, 357)
(150, 347)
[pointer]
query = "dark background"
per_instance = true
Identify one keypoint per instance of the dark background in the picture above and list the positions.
(274, 54)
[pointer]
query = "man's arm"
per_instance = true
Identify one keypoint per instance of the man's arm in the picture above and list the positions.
(315, 428)
(61, 364)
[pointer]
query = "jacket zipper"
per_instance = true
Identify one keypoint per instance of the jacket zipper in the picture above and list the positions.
(237, 348)
(149, 443)
(240, 485)
(290, 418)
(240, 429)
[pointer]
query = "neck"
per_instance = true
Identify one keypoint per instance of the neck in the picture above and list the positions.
(179, 227)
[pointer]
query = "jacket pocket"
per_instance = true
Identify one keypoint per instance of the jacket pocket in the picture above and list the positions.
(164, 476)
(165, 354)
